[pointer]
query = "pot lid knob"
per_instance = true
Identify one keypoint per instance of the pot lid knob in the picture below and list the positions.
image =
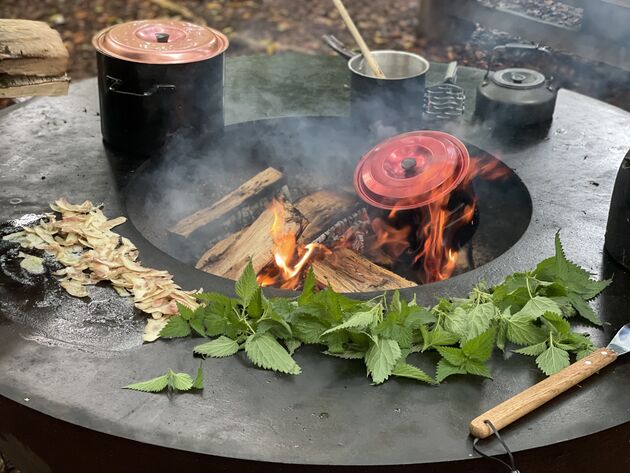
(411, 170)
(409, 165)
(162, 37)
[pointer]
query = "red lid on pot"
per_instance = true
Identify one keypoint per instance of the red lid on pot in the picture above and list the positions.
(411, 170)
(160, 42)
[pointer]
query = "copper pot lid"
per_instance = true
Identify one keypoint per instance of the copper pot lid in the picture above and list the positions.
(411, 170)
(160, 42)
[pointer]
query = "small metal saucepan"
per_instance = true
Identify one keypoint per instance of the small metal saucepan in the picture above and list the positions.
(394, 101)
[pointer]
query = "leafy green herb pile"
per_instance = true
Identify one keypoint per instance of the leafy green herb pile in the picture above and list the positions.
(530, 310)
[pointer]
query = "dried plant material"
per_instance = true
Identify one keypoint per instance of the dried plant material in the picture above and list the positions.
(32, 264)
(83, 241)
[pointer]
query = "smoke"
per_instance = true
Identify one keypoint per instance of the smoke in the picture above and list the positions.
(193, 172)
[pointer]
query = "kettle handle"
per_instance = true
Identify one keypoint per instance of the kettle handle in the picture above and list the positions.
(521, 47)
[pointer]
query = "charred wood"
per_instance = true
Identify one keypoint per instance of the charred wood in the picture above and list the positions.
(229, 257)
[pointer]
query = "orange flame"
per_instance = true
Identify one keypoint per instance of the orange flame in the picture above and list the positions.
(290, 258)
(428, 236)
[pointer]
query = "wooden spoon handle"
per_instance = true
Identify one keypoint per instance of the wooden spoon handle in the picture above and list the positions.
(525, 402)
(367, 54)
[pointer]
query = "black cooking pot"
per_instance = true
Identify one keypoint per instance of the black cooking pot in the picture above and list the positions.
(395, 101)
(158, 79)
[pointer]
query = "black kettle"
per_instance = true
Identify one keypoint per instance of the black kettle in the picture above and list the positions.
(618, 229)
(516, 97)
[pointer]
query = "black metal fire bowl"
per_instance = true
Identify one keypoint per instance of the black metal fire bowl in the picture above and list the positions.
(63, 361)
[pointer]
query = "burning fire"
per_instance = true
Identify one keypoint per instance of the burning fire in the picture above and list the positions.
(426, 239)
(290, 258)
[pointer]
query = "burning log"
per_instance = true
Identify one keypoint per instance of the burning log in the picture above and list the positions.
(230, 256)
(347, 271)
(322, 209)
(264, 184)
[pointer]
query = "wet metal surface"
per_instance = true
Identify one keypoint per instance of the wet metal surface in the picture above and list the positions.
(330, 415)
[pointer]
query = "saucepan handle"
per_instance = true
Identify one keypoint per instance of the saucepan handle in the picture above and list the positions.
(337, 46)
(525, 402)
(113, 85)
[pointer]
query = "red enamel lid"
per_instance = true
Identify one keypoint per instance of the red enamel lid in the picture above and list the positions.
(411, 170)
(160, 42)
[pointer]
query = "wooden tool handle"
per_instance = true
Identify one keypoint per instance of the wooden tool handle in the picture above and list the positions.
(525, 402)
(367, 54)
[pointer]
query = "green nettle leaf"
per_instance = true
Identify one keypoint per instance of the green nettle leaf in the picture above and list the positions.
(585, 352)
(265, 352)
(477, 368)
(405, 370)
(557, 323)
(180, 381)
(359, 320)
(198, 382)
(185, 312)
(538, 305)
(292, 344)
(533, 350)
(479, 320)
(154, 385)
(521, 329)
(176, 327)
(446, 369)
(335, 341)
(457, 322)
(347, 355)
(552, 360)
(214, 297)
(455, 356)
(246, 285)
(436, 337)
(381, 358)
(480, 347)
(255, 308)
(176, 381)
(584, 309)
(308, 288)
(218, 348)
(197, 324)
(390, 328)
(308, 329)
(419, 316)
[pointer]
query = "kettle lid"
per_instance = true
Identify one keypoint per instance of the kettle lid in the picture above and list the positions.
(518, 78)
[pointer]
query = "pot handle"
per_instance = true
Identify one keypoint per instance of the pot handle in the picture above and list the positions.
(521, 47)
(337, 46)
(115, 83)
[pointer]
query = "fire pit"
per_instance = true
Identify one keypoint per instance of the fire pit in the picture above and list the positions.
(57, 376)
(283, 197)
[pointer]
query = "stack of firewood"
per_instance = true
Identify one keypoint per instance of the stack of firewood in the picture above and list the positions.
(33, 60)
(311, 218)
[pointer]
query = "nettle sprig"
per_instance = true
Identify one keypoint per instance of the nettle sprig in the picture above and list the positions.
(529, 313)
